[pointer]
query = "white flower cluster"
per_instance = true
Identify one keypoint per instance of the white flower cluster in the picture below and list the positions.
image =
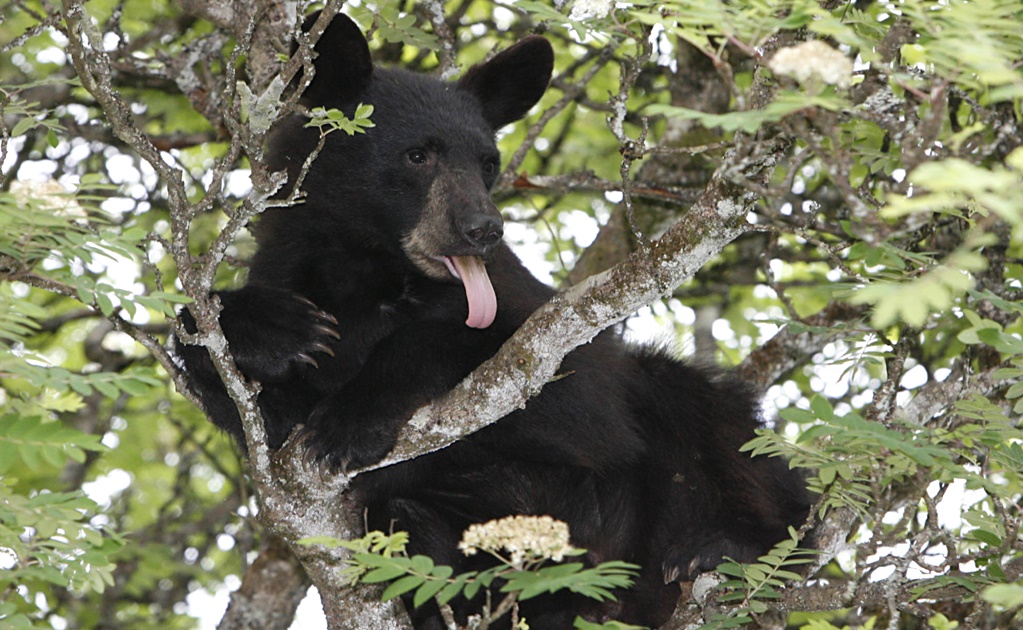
(525, 538)
(582, 9)
(48, 195)
(813, 61)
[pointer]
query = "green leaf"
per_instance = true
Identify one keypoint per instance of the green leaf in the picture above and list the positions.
(427, 591)
(327, 541)
(797, 415)
(402, 586)
(106, 388)
(452, 590)
(471, 588)
(822, 408)
(23, 126)
(986, 537)
(1007, 596)
(105, 305)
(421, 564)
(384, 574)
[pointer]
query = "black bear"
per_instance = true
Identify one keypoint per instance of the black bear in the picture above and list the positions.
(390, 283)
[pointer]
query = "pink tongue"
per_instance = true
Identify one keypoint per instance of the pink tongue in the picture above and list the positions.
(478, 290)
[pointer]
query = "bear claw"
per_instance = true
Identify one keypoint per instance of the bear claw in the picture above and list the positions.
(327, 330)
(305, 358)
(324, 348)
(671, 573)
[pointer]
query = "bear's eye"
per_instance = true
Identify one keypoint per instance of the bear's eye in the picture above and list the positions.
(417, 156)
(491, 167)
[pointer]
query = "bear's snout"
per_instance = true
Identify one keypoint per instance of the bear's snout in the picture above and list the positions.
(481, 230)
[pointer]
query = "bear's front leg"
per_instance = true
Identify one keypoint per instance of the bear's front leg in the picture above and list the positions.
(349, 431)
(274, 336)
(271, 333)
(358, 425)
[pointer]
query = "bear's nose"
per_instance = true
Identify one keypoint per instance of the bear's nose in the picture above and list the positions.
(482, 230)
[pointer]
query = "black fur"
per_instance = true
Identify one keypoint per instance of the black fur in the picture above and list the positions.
(350, 324)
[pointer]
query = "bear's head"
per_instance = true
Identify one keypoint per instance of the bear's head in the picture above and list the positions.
(416, 185)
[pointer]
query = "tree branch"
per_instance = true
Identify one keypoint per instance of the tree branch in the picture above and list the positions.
(532, 356)
(271, 590)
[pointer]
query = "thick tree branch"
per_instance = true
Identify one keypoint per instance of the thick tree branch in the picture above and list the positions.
(271, 590)
(532, 356)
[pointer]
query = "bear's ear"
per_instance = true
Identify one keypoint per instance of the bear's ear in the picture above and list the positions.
(343, 64)
(512, 82)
